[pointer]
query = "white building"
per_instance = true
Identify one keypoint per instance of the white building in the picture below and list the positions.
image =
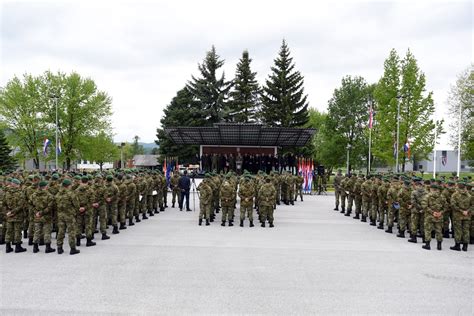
(446, 161)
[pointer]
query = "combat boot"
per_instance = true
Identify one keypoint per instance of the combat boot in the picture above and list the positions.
(336, 208)
(137, 219)
(90, 243)
(241, 223)
(49, 249)
(412, 238)
(389, 230)
(263, 224)
(104, 236)
(231, 223)
(457, 247)
(372, 222)
(2, 240)
(25, 233)
(19, 248)
(109, 222)
(278, 202)
(122, 226)
(144, 216)
(162, 209)
(439, 245)
(292, 202)
(401, 234)
(446, 234)
(74, 251)
(115, 230)
(207, 222)
(364, 218)
(151, 213)
(172, 205)
(223, 223)
(271, 224)
(8, 247)
(35, 248)
(471, 241)
(426, 246)
(200, 221)
(343, 210)
(130, 222)
(158, 212)
(41, 243)
(60, 250)
(78, 241)
(464, 246)
(357, 216)
(251, 224)
(380, 225)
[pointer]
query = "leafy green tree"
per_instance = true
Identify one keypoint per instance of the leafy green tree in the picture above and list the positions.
(283, 100)
(404, 83)
(7, 161)
(245, 95)
(83, 110)
(211, 90)
(183, 110)
(347, 120)
(22, 112)
(100, 149)
(461, 97)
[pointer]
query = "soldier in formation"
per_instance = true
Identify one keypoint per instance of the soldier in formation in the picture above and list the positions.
(422, 208)
(75, 205)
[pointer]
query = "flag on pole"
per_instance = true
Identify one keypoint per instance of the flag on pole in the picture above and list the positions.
(371, 117)
(164, 166)
(59, 149)
(310, 175)
(45, 146)
(395, 150)
(444, 157)
(406, 149)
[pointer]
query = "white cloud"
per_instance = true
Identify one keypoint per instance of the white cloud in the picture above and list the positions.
(141, 53)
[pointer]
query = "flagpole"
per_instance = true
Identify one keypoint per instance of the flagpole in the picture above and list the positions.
(434, 149)
(370, 135)
(56, 104)
(398, 134)
(459, 140)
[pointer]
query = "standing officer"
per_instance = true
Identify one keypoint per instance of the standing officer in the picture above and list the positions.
(337, 188)
(111, 200)
(14, 208)
(43, 202)
(227, 196)
(131, 197)
(175, 192)
(184, 185)
(205, 199)
(122, 201)
(266, 198)
(85, 219)
(67, 206)
(404, 198)
(246, 195)
(460, 205)
(417, 214)
(434, 204)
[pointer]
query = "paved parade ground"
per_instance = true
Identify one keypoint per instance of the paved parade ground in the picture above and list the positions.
(314, 261)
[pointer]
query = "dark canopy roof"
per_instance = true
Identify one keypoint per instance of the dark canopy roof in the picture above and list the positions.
(240, 134)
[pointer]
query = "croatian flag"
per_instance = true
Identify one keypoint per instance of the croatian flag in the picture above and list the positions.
(406, 149)
(371, 117)
(59, 149)
(45, 146)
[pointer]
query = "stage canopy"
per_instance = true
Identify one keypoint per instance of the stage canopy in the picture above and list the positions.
(240, 134)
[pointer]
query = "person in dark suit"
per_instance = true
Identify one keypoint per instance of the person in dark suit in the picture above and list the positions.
(184, 184)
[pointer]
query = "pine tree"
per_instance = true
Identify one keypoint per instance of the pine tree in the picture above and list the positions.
(183, 110)
(245, 96)
(7, 162)
(283, 101)
(210, 92)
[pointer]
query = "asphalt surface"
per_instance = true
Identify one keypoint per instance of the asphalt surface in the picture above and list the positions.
(313, 262)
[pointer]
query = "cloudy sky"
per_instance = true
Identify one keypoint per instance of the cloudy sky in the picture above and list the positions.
(142, 52)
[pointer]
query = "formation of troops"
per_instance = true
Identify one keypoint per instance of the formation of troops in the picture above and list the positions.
(34, 206)
(436, 208)
(262, 192)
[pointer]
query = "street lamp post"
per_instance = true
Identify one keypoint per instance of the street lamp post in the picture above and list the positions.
(397, 167)
(347, 160)
(55, 99)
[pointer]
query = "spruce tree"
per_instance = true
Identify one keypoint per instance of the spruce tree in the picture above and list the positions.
(245, 96)
(7, 162)
(283, 100)
(209, 91)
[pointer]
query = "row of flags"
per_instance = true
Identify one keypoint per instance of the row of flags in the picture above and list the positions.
(47, 143)
(169, 165)
(305, 169)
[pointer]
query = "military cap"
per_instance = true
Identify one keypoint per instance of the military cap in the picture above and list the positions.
(434, 186)
(77, 177)
(36, 177)
(406, 182)
(55, 176)
(31, 177)
(66, 182)
(110, 178)
(427, 182)
(84, 179)
(15, 181)
(42, 184)
(120, 176)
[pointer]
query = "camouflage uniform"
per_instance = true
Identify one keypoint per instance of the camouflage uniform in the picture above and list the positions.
(266, 196)
(417, 212)
(246, 195)
(374, 203)
(15, 213)
(343, 194)
(175, 192)
(67, 206)
(382, 201)
(392, 198)
(84, 219)
(460, 205)
(131, 199)
(433, 204)
(122, 202)
(111, 199)
(100, 211)
(448, 213)
(42, 202)
(337, 191)
(205, 200)
(366, 198)
(404, 198)
(227, 195)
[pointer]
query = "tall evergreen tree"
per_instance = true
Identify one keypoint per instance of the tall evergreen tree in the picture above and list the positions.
(283, 100)
(183, 110)
(209, 91)
(7, 162)
(245, 96)
(404, 82)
